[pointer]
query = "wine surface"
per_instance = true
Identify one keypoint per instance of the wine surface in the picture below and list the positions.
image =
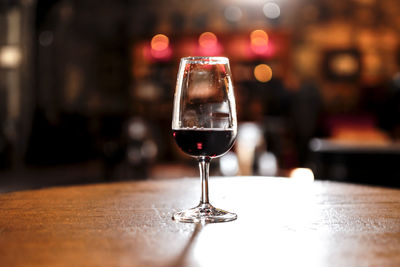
(204, 143)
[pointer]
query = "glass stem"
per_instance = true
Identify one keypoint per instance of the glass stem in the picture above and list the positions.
(204, 166)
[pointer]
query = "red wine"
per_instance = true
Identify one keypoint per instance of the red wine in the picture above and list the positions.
(204, 143)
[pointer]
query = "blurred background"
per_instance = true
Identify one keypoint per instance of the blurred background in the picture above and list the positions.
(86, 88)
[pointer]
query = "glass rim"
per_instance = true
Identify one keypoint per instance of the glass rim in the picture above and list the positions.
(206, 60)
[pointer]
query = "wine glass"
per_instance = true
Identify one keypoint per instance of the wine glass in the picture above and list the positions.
(204, 124)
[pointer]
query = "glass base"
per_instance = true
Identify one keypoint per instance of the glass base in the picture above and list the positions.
(204, 213)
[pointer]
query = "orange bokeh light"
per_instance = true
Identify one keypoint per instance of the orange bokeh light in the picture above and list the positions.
(259, 41)
(263, 73)
(208, 40)
(259, 38)
(159, 42)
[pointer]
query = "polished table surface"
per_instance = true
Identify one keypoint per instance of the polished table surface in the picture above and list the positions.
(281, 222)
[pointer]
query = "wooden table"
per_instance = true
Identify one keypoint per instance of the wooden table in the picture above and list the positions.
(280, 223)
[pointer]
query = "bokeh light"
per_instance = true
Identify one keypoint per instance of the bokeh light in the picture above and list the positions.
(228, 164)
(259, 38)
(46, 38)
(209, 45)
(271, 10)
(345, 64)
(302, 175)
(233, 13)
(159, 42)
(267, 164)
(259, 41)
(208, 40)
(10, 56)
(263, 73)
(159, 48)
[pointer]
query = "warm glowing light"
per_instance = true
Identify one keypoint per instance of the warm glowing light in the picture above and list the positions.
(159, 42)
(302, 175)
(208, 45)
(208, 40)
(259, 41)
(345, 64)
(259, 38)
(159, 48)
(271, 10)
(10, 56)
(263, 73)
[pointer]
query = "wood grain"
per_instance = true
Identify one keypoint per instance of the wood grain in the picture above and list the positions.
(280, 222)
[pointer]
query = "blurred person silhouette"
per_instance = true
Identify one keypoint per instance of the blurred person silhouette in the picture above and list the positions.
(390, 115)
(305, 108)
(389, 118)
